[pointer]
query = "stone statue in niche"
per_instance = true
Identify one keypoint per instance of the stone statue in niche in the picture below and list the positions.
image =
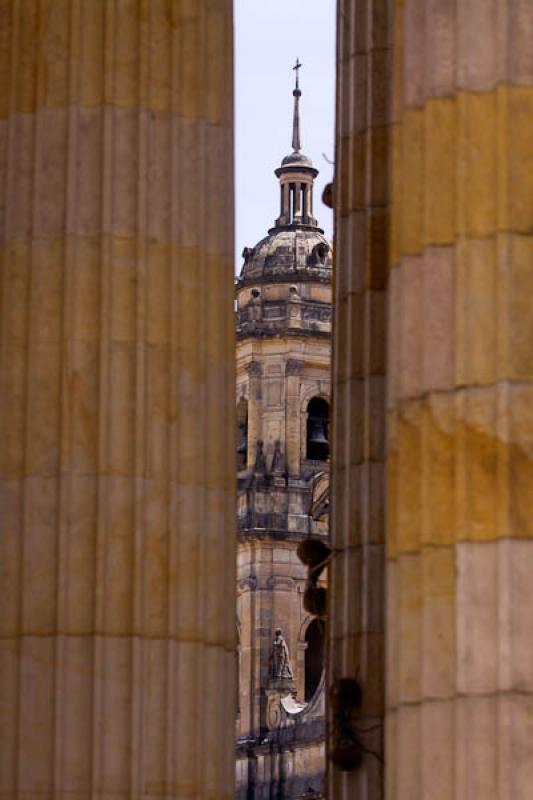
(280, 666)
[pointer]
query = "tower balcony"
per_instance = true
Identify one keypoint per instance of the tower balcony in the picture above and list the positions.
(283, 318)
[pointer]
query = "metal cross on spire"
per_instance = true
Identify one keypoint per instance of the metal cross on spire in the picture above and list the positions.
(296, 119)
(297, 67)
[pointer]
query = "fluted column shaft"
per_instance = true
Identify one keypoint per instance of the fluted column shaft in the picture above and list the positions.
(460, 453)
(356, 588)
(116, 369)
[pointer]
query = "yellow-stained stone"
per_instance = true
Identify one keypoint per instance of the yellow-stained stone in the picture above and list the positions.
(519, 178)
(477, 176)
(519, 412)
(440, 137)
(13, 383)
(396, 231)
(72, 64)
(466, 455)
(443, 171)
(11, 496)
(437, 467)
(116, 478)
(9, 710)
(460, 428)
(477, 464)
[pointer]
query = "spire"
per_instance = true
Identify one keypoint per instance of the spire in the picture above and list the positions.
(296, 175)
(296, 119)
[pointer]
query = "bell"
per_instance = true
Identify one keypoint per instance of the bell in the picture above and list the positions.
(318, 434)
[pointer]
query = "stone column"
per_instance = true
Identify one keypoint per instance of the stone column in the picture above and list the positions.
(286, 209)
(293, 370)
(460, 459)
(361, 199)
(297, 199)
(116, 368)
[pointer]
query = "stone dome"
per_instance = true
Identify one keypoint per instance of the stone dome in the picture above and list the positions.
(290, 253)
(297, 159)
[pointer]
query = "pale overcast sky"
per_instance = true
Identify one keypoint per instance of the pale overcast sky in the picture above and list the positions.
(269, 35)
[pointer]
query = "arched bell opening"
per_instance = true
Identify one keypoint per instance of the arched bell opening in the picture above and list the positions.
(314, 657)
(317, 430)
(242, 433)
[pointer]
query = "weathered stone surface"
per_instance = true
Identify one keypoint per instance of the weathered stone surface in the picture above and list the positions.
(460, 432)
(116, 478)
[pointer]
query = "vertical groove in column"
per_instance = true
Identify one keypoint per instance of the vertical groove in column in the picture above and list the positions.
(174, 80)
(62, 664)
(16, 470)
(140, 677)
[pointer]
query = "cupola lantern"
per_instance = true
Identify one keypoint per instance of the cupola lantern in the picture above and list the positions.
(296, 175)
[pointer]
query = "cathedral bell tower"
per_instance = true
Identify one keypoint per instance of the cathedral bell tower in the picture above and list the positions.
(283, 331)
